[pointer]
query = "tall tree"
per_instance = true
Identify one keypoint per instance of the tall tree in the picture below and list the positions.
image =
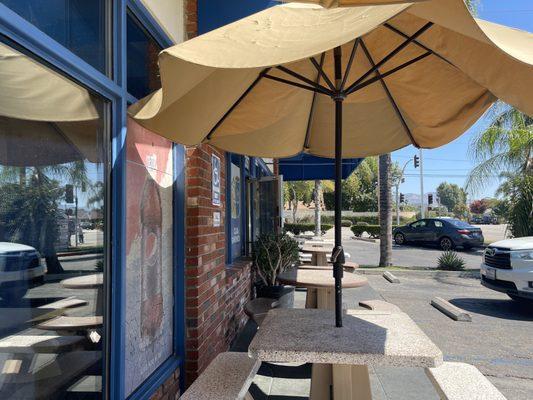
(385, 210)
(451, 195)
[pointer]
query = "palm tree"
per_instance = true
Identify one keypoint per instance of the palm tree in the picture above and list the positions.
(505, 150)
(385, 210)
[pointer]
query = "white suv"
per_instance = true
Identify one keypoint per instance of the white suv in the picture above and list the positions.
(508, 267)
(21, 267)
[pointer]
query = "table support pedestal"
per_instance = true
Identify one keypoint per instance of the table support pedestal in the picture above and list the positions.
(340, 382)
(351, 382)
(321, 298)
(319, 259)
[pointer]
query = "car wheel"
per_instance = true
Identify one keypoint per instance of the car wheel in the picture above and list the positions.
(399, 239)
(446, 244)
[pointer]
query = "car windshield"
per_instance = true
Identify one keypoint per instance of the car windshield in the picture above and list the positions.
(459, 224)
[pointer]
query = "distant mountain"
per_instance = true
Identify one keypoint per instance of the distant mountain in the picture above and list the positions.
(414, 198)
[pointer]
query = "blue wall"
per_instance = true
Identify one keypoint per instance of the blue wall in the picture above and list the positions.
(213, 14)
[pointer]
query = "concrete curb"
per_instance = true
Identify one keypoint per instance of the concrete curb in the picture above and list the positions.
(369, 240)
(390, 277)
(471, 274)
(450, 310)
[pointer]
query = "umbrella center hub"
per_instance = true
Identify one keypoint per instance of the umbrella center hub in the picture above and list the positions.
(338, 96)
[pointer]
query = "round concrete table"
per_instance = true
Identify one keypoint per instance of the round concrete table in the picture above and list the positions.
(329, 267)
(320, 285)
(319, 253)
(93, 281)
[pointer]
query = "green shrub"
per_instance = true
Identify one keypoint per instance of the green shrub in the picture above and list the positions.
(346, 223)
(450, 261)
(372, 230)
(362, 223)
(365, 219)
(298, 229)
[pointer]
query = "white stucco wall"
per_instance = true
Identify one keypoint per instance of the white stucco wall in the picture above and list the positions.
(170, 15)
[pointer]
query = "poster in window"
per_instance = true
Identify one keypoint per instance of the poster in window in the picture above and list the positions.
(215, 166)
(149, 244)
(235, 205)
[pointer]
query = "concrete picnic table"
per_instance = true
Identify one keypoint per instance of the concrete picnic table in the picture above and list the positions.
(93, 281)
(328, 267)
(320, 285)
(319, 252)
(342, 355)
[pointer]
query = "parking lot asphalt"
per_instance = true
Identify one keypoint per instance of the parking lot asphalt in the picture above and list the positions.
(498, 341)
(367, 253)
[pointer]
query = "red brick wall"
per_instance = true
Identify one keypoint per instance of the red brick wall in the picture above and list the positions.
(215, 293)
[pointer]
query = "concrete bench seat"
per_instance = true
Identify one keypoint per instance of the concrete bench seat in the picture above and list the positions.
(228, 377)
(257, 309)
(69, 302)
(380, 305)
(30, 344)
(460, 381)
(71, 324)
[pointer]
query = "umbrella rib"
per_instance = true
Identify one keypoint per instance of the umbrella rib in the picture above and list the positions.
(303, 79)
(406, 36)
(291, 83)
(389, 95)
(389, 56)
(392, 71)
(322, 73)
(312, 108)
(241, 98)
(349, 66)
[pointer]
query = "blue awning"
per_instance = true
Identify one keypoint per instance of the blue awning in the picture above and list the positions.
(305, 167)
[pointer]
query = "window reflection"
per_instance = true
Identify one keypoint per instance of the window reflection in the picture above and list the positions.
(143, 70)
(52, 207)
(79, 25)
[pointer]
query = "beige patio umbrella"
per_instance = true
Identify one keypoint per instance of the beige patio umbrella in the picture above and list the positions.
(45, 118)
(380, 76)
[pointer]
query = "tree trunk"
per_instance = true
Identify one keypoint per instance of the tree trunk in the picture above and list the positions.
(318, 209)
(385, 210)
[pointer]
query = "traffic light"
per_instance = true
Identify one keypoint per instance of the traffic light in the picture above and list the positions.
(69, 194)
(416, 161)
(430, 198)
(402, 198)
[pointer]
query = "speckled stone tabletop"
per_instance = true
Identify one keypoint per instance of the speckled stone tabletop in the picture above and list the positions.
(228, 377)
(366, 338)
(319, 279)
(316, 249)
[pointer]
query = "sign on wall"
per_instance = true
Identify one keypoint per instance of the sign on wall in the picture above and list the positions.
(215, 167)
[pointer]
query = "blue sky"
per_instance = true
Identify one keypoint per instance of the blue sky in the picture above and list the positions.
(451, 162)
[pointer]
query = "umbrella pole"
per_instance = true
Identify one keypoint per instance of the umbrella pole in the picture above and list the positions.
(338, 252)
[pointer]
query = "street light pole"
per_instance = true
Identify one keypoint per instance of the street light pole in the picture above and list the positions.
(422, 207)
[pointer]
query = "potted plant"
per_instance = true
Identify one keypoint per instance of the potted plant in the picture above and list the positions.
(273, 254)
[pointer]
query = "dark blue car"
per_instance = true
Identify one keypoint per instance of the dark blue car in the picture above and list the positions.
(447, 233)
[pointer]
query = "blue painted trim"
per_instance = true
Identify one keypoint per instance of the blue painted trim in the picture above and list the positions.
(261, 164)
(43, 46)
(148, 21)
(160, 375)
(116, 373)
(179, 256)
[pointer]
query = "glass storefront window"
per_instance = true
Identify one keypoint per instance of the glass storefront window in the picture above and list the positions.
(79, 25)
(142, 52)
(52, 232)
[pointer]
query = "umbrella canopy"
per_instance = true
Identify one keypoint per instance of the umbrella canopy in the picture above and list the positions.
(379, 76)
(45, 118)
(305, 167)
(448, 70)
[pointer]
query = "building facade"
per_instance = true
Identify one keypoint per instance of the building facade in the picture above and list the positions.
(124, 257)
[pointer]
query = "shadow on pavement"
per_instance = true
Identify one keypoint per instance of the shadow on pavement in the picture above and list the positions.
(504, 309)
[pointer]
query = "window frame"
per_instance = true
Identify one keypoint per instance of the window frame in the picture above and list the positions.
(113, 89)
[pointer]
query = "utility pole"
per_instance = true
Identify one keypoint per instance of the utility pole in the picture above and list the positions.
(397, 184)
(422, 207)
